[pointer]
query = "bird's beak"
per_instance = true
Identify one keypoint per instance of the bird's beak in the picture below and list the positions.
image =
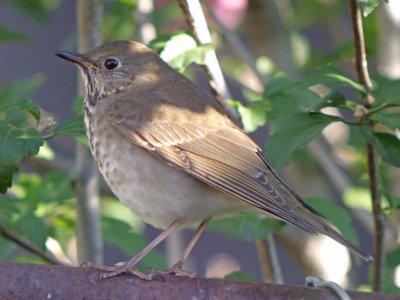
(78, 59)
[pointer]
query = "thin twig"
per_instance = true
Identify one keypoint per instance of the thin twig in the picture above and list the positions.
(378, 219)
(197, 23)
(28, 246)
(269, 262)
(265, 266)
(363, 78)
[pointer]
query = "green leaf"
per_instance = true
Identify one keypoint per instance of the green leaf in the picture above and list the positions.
(391, 120)
(329, 76)
(283, 100)
(73, 127)
(118, 23)
(392, 261)
(182, 50)
(15, 144)
(339, 217)
(77, 105)
(386, 91)
(393, 257)
(247, 225)
(334, 99)
(112, 208)
(54, 187)
(120, 234)
(368, 6)
(240, 276)
(287, 96)
(33, 228)
(259, 227)
(7, 35)
(8, 207)
(292, 132)
(23, 104)
(387, 145)
(394, 202)
(278, 84)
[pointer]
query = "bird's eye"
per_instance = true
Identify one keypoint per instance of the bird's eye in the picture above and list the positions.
(111, 64)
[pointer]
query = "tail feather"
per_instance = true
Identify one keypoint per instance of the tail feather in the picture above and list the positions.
(324, 228)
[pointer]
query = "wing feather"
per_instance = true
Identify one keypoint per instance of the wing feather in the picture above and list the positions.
(218, 159)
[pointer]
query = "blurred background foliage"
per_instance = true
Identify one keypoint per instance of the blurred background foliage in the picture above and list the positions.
(295, 75)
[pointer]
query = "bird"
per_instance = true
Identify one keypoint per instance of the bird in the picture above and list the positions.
(169, 152)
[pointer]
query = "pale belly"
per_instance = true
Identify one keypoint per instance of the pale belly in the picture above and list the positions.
(157, 192)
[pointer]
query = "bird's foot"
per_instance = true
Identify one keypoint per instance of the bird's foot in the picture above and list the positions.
(177, 270)
(118, 268)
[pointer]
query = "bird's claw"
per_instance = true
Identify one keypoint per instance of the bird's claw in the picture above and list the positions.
(118, 268)
(177, 270)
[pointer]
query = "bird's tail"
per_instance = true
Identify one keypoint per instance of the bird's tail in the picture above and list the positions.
(322, 227)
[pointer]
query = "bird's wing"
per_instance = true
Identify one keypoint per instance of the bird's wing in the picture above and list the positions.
(224, 157)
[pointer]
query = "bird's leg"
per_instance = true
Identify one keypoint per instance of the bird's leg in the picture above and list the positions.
(130, 266)
(177, 268)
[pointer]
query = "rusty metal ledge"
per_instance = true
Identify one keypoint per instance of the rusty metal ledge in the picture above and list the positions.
(29, 281)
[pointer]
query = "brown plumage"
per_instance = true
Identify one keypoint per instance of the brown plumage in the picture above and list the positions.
(167, 149)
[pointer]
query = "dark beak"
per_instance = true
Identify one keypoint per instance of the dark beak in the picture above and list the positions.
(78, 59)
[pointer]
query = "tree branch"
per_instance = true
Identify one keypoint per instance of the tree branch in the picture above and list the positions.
(269, 262)
(89, 236)
(27, 281)
(368, 100)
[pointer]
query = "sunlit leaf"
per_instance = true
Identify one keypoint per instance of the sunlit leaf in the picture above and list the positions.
(368, 6)
(46, 152)
(182, 50)
(252, 116)
(113, 208)
(357, 198)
